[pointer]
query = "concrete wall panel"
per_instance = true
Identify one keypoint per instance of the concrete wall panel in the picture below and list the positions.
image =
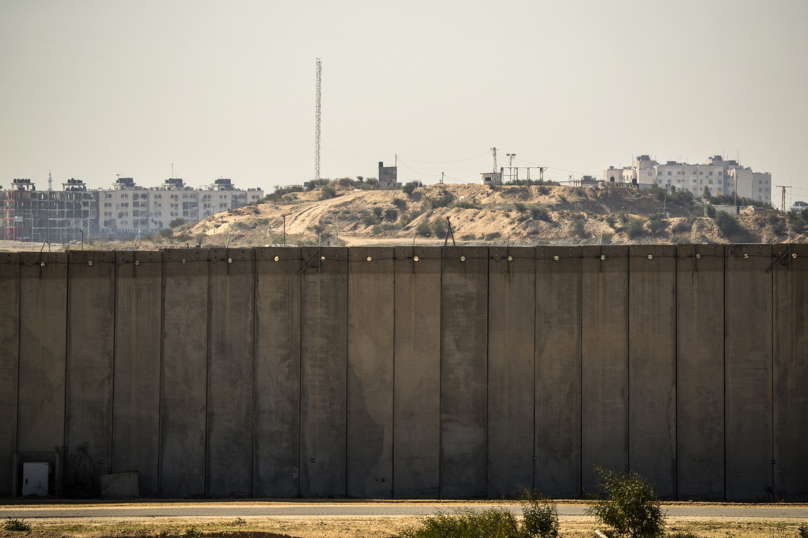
(464, 368)
(230, 373)
(9, 363)
(604, 357)
(136, 406)
(323, 355)
(652, 366)
(748, 359)
(791, 374)
(184, 373)
(371, 286)
(90, 354)
(43, 343)
(416, 440)
(557, 471)
(276, 423)
(700, 372)
(511, 325)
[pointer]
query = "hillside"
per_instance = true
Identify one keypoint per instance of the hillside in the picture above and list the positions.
(521, 215)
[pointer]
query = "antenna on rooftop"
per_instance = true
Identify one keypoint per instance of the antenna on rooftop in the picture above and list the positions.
(494, 151)
(50, 181)
(317, 123)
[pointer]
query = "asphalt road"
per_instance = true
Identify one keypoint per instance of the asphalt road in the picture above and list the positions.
(208, 509)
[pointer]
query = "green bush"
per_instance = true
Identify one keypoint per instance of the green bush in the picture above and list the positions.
(578, 226)
(629, 505)
(540, 516)
(193, 532)
(165, 232)
(520, 208)
(423, 228)
(540, 520)
(327, 192)
(579, 191)
(539, 213)
(623, 217)
(369, 220)
(200, 238)
(727, 223)
(391, 215)
(656, 224)
(610, 220)
(184, 237)
(682, 226)
(710, 209)
(400, 203)
(439, 227)
(410, 187)
(466, 523)
(176, 222)
(634, 228)
(377, 212)
(562, 198)
(16, 525)
(803, 531)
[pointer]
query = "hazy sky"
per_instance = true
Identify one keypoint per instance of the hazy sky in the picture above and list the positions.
(91, 89)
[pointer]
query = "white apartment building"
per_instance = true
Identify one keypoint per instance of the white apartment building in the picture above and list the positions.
(127, 209)
(720, 176)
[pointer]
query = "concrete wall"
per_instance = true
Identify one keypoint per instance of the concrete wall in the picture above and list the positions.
(411, 372)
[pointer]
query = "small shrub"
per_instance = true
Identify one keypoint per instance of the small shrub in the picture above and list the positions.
(492, 236)
(193, 532)
(146, 237)
(327, 192)
(803, 530)
(606, 238)
(682, 534)
(630, 505)
(467, 204)
(16, 525)
(391, 215)
(578, 226)
(520, 208)
(727, 223)
(200, 238)
(369, 220)
(410, 187)
(423, 229)
(540, 516)
(656, 224)
(400, 203)
(439, 227)
(539, 213)
(562, 198)
(634, 228)
(543, 190)
(579, 191)
(176, 222)
(376, 230)
(623, 217)
(610, 220)
(468, 237)
(377, 212)
(183, 237)
(466, 523)
(165, 232)
(682, 226)
(710, 210)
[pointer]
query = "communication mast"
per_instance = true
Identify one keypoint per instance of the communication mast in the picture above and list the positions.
(494, 151)
(783, 202)
(50, 182)
(317, 124)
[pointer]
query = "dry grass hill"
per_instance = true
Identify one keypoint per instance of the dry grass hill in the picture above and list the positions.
(520, 215)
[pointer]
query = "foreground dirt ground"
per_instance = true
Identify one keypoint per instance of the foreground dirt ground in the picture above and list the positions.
(355, 527)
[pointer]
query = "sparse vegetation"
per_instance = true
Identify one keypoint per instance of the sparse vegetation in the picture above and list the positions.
(423, 229)
(400, 203)
(410, 187)
(727, 223)
(16, 525)
(327, 193)
(176, 222)
(628, 505)
(634, 227)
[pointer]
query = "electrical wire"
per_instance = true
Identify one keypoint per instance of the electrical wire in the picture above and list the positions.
(444, 162)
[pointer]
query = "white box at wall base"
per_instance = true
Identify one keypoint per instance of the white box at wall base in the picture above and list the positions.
(122, 485)
(35, 479)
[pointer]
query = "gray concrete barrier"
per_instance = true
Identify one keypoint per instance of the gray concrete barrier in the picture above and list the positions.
(411, 372)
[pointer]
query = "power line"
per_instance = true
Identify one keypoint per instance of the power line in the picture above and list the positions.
(445, 162)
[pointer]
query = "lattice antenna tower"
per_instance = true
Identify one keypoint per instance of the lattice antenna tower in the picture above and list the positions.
(317, 123)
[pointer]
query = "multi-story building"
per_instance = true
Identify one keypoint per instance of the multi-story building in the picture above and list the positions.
(125, 210)
(388, 177)
(718, 175)
(32, 215)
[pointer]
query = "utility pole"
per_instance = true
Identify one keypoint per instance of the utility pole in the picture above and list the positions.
(510, 165)
(284, 229)
(441, 178)
(783, 203)
(317, 124)
(494, 150)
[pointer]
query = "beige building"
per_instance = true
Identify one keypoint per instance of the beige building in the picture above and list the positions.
(720, 176)
(127, 209)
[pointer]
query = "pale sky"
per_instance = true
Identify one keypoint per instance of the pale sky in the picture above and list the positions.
(91, 89)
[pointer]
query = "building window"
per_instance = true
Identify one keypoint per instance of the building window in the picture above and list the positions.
(720, 173)
(669, 173)
(711, 173)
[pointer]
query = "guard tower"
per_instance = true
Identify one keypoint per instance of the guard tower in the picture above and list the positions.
(388, 177)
